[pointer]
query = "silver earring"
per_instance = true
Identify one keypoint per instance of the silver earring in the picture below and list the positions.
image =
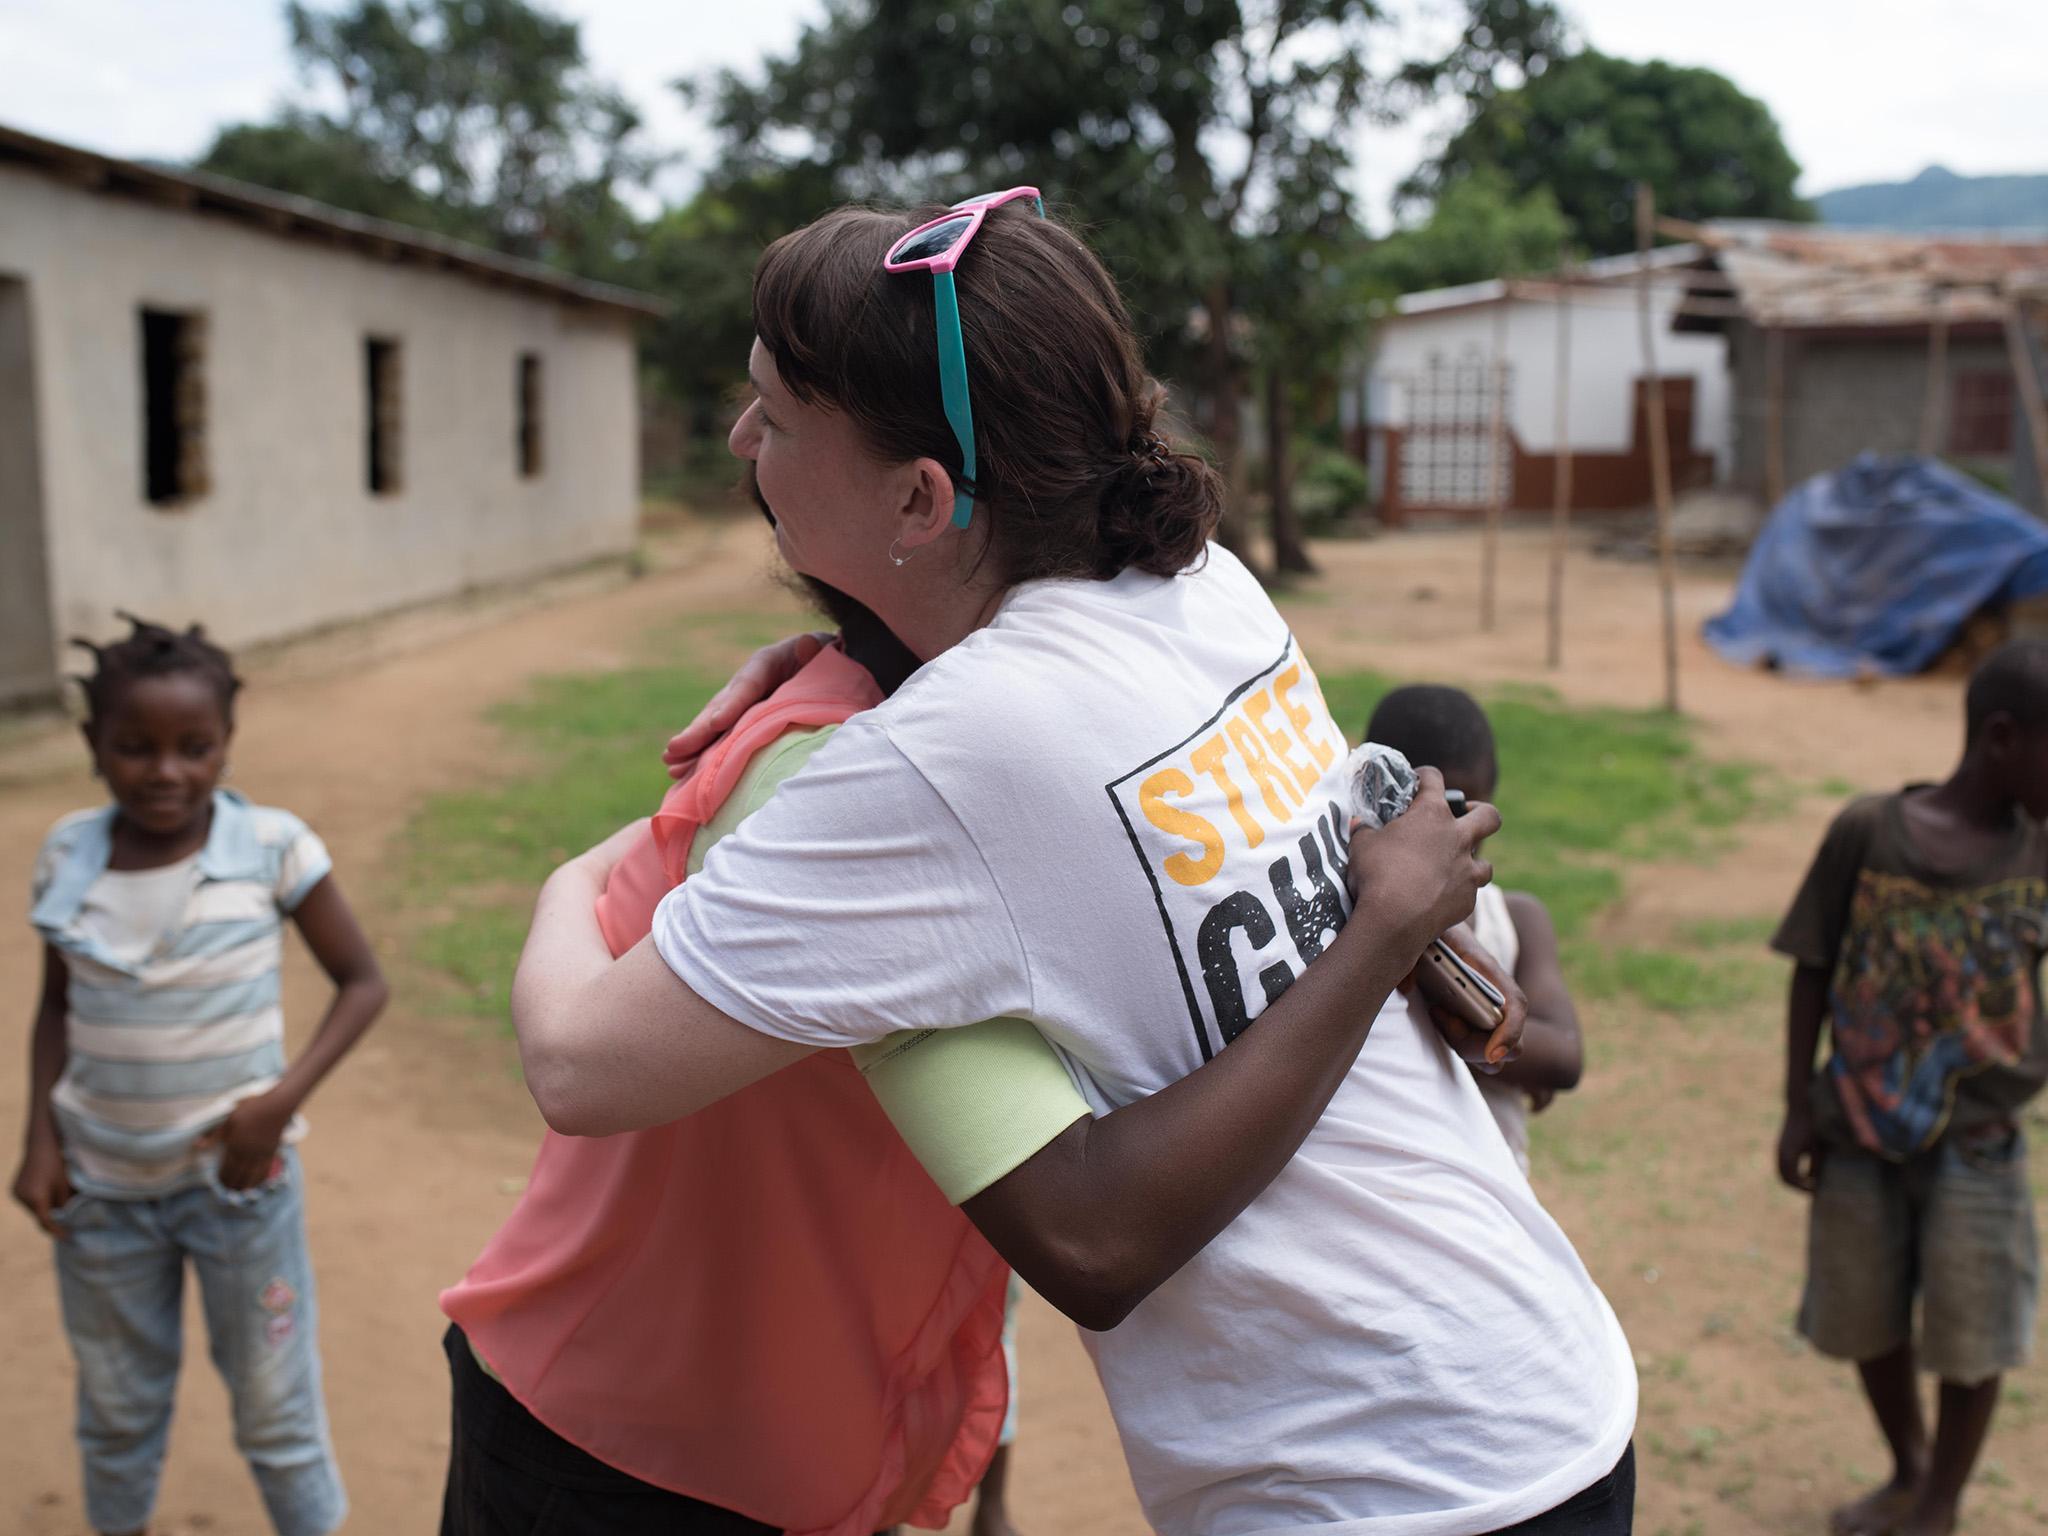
(896, 559)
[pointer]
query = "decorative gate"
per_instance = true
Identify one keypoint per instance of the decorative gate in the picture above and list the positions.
(1446, 457)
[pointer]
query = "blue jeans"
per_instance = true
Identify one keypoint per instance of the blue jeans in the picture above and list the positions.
(121, 1277)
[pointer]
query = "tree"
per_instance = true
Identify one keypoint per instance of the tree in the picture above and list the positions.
(701, 258)
(1478, 229)
(1500, 44)
(306, 154)
(1589, 126)
(1307, 298)
(475, 118)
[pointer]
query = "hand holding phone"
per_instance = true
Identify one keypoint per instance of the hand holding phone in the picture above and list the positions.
(1480, 1015)
(1449, 983)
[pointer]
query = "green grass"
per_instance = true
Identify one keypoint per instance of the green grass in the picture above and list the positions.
(1667, 980)
(588, 749)
(592, 744)
(1726, 932)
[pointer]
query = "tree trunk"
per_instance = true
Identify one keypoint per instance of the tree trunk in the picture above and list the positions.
(1226, 423)
(1290, 552)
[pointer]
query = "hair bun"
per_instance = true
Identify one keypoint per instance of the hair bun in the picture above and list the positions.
(1159, 508)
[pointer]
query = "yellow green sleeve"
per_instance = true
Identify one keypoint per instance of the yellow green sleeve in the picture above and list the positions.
(781, 759)
(972, 1103)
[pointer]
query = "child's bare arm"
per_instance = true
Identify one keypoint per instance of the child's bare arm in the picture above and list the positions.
(41, 1184)
(1805, 1012)
(249, 1137)
(1553, 1054)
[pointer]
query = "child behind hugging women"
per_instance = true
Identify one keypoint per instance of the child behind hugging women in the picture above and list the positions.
(1445, 729)
(162, 1112)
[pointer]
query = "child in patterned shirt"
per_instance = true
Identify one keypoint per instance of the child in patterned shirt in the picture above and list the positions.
(1917, 938)
(162, 1109)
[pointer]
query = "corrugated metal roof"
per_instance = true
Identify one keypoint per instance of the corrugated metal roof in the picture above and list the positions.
(301, 217)
(1543, 286)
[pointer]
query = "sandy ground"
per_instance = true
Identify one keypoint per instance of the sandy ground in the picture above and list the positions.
(419, 1142)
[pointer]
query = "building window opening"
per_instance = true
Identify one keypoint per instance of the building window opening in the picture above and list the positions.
(173, 407)
(386, 443)
(530, 461)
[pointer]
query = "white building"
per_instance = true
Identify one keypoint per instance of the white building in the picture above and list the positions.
(226, 405)
(1440, 358)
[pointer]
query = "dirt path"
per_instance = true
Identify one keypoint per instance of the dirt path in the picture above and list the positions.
(420, 1140)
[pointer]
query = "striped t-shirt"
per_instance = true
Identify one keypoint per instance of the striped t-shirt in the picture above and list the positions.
(168, 1030)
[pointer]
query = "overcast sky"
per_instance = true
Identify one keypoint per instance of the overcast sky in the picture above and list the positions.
(1873, 90)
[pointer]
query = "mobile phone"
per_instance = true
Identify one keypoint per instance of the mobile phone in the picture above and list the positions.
(1461, 990)
(1459, 805)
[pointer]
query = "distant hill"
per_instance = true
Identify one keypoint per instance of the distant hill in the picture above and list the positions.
(1940, 199)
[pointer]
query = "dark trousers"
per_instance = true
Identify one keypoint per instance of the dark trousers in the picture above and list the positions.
(1608, 1508)
(510, 1475)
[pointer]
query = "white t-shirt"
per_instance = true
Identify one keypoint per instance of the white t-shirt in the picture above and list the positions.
(128, 911)
(1114, 812)
(1494, 926)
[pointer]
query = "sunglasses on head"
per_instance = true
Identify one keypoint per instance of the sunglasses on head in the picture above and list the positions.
(936, 247)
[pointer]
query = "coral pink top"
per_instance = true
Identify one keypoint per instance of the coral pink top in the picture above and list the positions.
(768, 1306)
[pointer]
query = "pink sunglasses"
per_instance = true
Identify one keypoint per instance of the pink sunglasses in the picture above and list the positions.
(936, 247)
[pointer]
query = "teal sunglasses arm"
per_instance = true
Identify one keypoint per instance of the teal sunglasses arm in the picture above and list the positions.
(953, 386)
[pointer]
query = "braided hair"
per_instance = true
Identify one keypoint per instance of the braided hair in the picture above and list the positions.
(152, 650)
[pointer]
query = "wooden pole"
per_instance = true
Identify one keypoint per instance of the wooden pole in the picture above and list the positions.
(2028, 378)
(1931, 408)
(1660, 449)
(1496, 498)
(1561, 483)
(1774, 419)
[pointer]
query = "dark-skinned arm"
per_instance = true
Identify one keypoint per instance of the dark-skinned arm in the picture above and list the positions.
(249, 1137)
(1553, 1052)
(1805, 1013)
(1112, 1207)
(41, 1184)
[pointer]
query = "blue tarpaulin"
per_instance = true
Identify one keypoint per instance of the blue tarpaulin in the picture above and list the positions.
(1876, 568)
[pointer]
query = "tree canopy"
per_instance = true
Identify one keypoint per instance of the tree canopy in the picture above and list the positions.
(1590, 126)
(1175, 129)
(1479, 228)
(475, 118)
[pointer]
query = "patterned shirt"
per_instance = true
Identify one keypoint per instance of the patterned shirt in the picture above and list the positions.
(168, 1030)
(1934, 994)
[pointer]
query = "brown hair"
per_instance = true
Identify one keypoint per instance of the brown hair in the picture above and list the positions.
(1074, 474)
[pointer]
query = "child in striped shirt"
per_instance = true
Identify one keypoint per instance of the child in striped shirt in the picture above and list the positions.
(162, 1111)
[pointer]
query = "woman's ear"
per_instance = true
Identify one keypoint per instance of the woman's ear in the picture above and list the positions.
(926, 510)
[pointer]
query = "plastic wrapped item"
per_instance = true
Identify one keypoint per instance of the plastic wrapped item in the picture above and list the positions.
(1383, 784)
